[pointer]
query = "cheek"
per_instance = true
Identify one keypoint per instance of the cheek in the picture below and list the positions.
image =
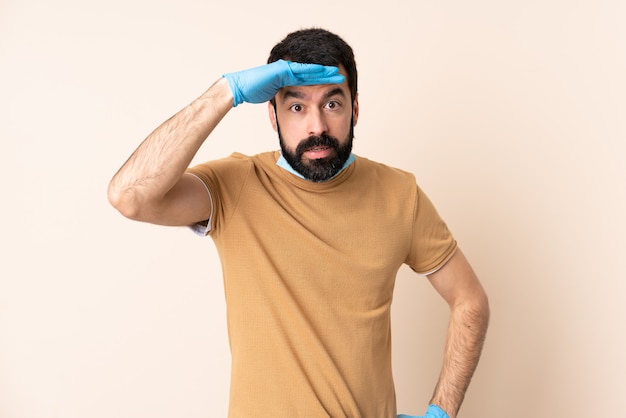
(287, 137)
(291, 129)
(342, 128)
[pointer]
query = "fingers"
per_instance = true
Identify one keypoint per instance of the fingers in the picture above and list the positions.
(310, 74)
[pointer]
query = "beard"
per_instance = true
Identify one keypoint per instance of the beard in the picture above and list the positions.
(321, 169)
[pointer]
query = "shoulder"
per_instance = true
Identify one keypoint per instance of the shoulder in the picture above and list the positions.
(377, 171)
(235, 162)
(381, 182)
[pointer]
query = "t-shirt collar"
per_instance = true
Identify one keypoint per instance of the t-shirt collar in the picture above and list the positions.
(282, 162)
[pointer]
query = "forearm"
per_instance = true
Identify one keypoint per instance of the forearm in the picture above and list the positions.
(161, 159)
(466, 335)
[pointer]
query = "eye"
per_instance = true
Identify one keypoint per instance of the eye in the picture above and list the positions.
(296, 108)
(333, 105)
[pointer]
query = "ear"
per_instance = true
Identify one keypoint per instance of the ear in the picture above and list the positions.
(355, 110)
(272, 114)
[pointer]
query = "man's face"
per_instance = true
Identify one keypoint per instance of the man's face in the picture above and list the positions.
(315, 127)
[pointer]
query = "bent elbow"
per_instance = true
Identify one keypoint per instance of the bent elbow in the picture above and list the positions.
(480, 308)
(124, 201)
(482, 314)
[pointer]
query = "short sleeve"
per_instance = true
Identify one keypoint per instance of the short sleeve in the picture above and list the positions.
(432, 243)
(223, 179)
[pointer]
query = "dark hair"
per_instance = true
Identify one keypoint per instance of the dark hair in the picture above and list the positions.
(317, 46)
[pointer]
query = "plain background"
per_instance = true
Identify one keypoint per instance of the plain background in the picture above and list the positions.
(511, 115)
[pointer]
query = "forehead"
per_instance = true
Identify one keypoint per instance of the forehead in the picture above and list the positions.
(312, 93)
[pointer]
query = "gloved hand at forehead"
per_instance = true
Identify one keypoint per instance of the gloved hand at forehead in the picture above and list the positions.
(260, 84)
(433, 412)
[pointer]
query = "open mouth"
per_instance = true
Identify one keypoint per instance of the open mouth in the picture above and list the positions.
(318, 152)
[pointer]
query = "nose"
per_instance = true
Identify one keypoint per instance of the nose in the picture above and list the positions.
(316, 122)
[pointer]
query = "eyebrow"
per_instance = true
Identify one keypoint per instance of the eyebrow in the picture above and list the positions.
(296, 94)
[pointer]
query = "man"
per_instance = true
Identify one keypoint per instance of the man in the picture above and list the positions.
(310, 239)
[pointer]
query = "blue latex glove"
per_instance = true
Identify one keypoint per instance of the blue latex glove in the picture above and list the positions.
(260, 84)
(433, 412)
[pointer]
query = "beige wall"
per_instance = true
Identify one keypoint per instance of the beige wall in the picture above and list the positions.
(511, 114)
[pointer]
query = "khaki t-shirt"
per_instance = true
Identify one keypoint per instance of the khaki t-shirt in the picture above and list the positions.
(309, 270)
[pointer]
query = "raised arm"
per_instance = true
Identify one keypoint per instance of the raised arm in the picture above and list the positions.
(457, 283)
(152, 185)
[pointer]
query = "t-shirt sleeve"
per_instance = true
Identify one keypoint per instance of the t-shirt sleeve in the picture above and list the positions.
(223, 179)
(203, 228)
(432, 242)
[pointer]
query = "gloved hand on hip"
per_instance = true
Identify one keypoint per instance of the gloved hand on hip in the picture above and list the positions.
(260, 84)
(433, 412)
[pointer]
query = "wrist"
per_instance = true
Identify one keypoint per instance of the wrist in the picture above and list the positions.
(445, 403)
(434, 411)
(222, 93)
(218, 97)
(230, 81)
